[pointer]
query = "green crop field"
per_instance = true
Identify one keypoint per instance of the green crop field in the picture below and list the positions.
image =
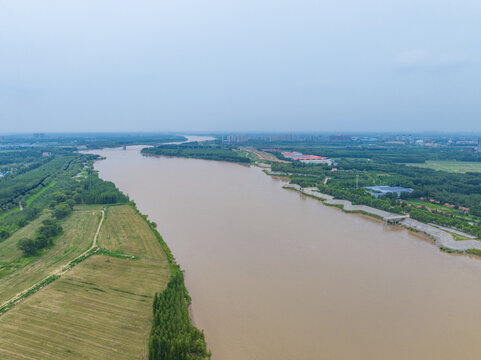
(451, 166)
(18, 273)
(102, 308)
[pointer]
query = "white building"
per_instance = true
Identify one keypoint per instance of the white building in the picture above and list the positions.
(317, 161)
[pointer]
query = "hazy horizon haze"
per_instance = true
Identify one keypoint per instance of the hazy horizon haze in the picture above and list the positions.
(240, 66)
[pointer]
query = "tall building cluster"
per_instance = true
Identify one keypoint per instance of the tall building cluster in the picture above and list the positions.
(235, 138)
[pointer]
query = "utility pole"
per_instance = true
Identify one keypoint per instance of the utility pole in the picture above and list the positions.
(357, 181)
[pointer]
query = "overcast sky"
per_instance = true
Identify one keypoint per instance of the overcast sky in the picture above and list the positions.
(240, 65)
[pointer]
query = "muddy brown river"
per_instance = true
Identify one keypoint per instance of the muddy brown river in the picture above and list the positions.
(274, 275)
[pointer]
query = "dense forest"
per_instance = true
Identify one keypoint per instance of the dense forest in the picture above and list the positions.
(12, 157)
(55, 183)
(199, 151)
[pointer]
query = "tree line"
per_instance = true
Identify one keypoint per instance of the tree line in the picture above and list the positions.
(198, 151)
(173, 337)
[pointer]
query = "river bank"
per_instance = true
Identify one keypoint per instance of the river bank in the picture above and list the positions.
(274, 275)
(442, 239)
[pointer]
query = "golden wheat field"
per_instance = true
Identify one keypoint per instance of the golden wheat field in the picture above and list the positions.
(102, 308)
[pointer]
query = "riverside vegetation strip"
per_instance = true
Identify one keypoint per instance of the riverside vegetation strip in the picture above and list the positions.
(196, 150)
(94, 306)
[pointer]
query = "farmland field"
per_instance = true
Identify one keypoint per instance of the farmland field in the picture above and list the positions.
(126, 232)
(451, 166)
(101, 309)
(18, 273)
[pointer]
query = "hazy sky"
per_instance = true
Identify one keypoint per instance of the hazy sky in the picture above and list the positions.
(223, 65)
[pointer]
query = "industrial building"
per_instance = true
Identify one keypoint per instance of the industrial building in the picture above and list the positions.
(307, 159)
(378, 191)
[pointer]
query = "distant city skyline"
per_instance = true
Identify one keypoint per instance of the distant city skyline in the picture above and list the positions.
(240, 66)
(406, 135)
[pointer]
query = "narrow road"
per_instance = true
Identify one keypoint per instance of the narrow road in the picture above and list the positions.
(59, 272)
(67, 267)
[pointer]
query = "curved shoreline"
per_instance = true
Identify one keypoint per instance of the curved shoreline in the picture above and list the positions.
(442, 239)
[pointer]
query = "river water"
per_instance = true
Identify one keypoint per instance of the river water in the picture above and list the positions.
(275, 275)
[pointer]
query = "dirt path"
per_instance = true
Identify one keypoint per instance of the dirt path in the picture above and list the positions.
(262, 155)
(67, 267)
(57, 273)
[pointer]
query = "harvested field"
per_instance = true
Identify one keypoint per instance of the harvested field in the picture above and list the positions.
(18, 273)
(126, 232)
(101, 309)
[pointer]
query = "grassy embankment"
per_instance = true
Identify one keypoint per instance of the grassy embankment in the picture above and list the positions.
(102, 308)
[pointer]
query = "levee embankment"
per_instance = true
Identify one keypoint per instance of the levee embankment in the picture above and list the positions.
(442, 238)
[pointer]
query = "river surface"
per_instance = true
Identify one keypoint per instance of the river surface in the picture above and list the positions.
(274, 275)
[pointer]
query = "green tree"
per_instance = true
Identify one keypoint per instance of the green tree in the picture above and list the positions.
(71, 202)
(62, 210)
(28, 246)
(59, 197)
(50, 228)
(4, 234)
